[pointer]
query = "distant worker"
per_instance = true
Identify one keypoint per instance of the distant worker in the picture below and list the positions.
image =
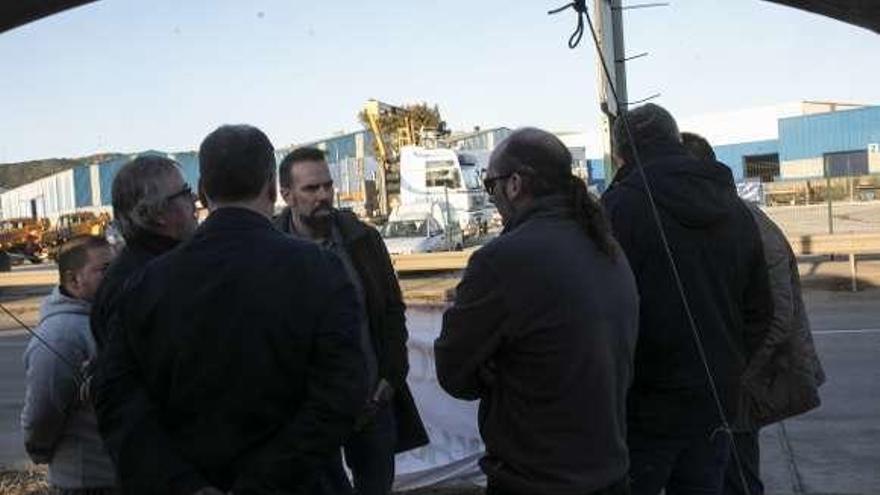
(154, 209)
(60, 429)
(783, 376)
(390, 422)
(236, 366)
(673, 418)
(543, 330)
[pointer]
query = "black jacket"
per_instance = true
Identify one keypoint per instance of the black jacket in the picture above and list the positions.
(717, 250)
(137, 252)
(237, 364)
(386, 317)
(543, 332)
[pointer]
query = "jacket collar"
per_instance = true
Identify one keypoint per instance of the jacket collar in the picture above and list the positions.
(234, 218)
(151, 242)
(553, 206)
(350, 227)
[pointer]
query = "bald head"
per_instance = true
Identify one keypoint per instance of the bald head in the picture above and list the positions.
(533, 152)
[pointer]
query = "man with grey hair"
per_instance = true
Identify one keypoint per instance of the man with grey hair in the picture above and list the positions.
(154, 208)
(673, 418)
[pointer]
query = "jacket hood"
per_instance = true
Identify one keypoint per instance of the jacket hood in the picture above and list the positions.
(694, 192)
(57, 303)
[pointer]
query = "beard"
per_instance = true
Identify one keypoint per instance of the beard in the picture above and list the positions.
(319, 219)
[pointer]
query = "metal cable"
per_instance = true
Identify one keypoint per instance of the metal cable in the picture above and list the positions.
(580, 7)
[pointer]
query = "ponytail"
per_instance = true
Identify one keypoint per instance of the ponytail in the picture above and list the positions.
(589, 215)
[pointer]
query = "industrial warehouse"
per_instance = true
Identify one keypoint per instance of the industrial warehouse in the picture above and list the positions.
(786, 145)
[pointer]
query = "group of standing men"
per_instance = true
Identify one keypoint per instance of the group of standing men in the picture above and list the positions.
(639, 350)
(231, 356)
(245, 355)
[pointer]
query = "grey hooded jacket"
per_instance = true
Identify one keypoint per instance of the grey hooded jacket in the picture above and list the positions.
(59, 428)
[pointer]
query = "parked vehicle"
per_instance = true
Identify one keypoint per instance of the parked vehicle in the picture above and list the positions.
(71, 225)
(23, 237)
(421, 229)
(441, 175)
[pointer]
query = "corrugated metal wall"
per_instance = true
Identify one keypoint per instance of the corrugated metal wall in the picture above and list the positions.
(484, 140)
(814, 135)
(189, 165)
(106, 173)
(82, 186)
(50, 196)
(733, 155)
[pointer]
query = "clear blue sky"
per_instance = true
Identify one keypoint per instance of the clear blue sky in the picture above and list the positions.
(125, 75)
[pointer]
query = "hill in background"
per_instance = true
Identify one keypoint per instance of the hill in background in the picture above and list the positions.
(13, 175)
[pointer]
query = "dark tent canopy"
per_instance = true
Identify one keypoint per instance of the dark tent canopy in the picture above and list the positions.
(14, 13)
(864, 13)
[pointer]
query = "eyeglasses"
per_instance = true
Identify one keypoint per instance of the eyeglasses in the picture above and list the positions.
(489, 183)
(185, 192)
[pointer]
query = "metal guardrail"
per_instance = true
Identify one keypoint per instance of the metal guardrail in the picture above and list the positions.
(860, 243)
(431, 262)
(851, 245)
(825, 244)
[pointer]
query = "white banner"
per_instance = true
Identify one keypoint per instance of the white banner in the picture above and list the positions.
(451, 457)
(751, 191)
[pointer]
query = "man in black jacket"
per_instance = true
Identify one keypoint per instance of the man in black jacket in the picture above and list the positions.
(391, 423)
(237, 366)
(154, 209)
(543, 330)
(673, 416)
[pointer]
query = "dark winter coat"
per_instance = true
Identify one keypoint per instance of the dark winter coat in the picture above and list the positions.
(717, 251)
(543, 332)
(237, 364)
(783, 377)
(385, 315)
(137, 252)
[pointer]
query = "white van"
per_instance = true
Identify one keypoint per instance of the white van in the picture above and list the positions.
(421, 229)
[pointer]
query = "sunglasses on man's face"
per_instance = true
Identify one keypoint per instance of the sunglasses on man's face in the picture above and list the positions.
(185, 192)
(489, 183)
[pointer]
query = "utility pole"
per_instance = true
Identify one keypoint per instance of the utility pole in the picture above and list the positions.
(609, 29)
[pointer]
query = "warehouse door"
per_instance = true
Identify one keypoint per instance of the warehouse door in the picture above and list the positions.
(846, 164)
(763, 167)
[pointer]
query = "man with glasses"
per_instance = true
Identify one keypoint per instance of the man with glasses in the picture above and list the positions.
(154, 209)
(543, 330)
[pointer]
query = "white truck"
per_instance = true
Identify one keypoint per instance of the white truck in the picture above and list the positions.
(440, 175)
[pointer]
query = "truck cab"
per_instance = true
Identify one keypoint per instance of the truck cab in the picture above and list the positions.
(440, 175)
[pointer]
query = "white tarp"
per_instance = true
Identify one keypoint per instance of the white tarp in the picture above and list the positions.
(751, 191)
(451, 457)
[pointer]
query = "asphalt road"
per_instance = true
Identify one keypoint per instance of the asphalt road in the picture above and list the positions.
(832, 450)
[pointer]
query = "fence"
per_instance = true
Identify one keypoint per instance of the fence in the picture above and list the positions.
(832, 205)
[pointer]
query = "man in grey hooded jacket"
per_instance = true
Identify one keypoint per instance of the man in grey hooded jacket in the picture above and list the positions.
(60, 428)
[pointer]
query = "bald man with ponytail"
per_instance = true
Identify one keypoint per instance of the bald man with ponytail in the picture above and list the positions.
(543, 330)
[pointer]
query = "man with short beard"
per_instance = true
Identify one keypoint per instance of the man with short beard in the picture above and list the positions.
(390, 422)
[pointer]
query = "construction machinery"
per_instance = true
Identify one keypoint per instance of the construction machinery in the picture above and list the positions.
(389, 143)
(71, 225)
(23, 236)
